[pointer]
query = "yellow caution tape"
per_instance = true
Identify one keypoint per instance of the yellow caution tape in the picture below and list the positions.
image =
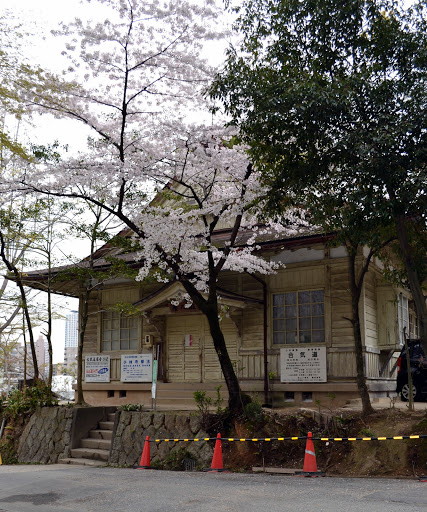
(267, 439)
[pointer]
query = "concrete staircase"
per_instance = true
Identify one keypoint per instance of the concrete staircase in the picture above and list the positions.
(94, 450)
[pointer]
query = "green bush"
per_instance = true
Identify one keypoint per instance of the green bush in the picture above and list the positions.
(253, 412)
(175, 461)
(204, 404)
(365, 432)
(26, 401)
(7, 451)
(132, 407)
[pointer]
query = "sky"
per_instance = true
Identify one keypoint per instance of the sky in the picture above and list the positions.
(39, 17)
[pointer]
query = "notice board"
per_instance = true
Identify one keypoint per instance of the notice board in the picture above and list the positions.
(97, 368)
(303, 364)
(137, 368)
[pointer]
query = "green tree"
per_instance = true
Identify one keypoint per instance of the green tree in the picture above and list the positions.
(335, 92)
(364, 237)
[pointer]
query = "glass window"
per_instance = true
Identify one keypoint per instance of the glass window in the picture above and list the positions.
(402, 317)
(299, 317)
(119, 333)
(413, 325)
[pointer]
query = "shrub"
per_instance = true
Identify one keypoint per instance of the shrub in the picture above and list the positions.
(204, 404)
(24, 402)
(132, 407)
(253, 412)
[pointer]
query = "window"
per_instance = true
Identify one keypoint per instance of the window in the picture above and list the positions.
(119, 332)
(402, 317)
(413, 325)
(298, 317)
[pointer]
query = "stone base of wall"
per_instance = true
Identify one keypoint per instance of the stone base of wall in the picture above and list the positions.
(47, 436)
(133, 427)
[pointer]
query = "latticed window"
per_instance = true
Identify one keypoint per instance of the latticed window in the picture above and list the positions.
(405, 323)
(299, 317)
(119, 332)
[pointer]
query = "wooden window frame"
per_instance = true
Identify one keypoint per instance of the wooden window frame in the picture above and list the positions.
(121, 339)
(303, 335)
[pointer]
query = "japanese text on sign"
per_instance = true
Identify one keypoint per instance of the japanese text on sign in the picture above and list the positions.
(303, 364)
(97, 368)
(137, 368)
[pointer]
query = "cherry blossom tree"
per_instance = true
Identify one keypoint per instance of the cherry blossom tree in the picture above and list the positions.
(131, 79)
(205, 185)
(136, 78)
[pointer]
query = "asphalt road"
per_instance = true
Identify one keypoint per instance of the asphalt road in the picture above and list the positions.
(61, 488)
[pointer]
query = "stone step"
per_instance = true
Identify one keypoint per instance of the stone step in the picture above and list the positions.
(111, 416)
(102, 444)
(106, 425)
(83, 462)
(90, 453)
(101, 434)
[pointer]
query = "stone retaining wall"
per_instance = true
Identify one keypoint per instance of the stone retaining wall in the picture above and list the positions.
(48, 436)
(133, 427)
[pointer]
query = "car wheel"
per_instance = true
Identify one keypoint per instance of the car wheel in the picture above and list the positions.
(405, 392)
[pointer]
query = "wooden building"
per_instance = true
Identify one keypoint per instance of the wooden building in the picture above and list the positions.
(305, 306)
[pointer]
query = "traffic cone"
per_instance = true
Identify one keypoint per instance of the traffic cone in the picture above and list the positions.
(1, 462)
(145, 457)
(310, 464)
(217, 465)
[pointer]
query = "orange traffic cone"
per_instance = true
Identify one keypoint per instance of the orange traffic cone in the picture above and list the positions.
(145, 457)
(310, 464)
(217, 465)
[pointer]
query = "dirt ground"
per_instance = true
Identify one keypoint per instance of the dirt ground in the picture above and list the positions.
(392, 458)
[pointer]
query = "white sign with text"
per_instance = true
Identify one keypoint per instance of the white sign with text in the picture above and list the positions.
(97, 368)
(137, 368)
(303, 364)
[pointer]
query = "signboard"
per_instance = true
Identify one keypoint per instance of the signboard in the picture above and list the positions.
(137, 368)
(303, 364)
(154, 385)
(97, 368)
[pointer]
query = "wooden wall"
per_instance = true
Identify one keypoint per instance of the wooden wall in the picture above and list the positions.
(245, 330)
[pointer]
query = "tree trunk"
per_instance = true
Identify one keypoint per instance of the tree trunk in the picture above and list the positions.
(356, 288)
(235, 403)
(414, 282)
(82, 330)
(17, 275)
(49, 330)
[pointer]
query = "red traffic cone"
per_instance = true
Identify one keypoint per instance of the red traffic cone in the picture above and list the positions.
(217, 464)
(145, 457)
(310, 464)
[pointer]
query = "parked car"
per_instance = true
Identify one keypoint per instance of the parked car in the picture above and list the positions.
(418, 371)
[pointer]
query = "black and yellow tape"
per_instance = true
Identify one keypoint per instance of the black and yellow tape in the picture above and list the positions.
(232, 439)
